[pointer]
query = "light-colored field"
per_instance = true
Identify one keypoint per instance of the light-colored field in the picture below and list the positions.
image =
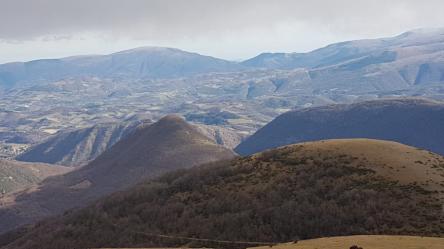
(363, 241)
(153, 248)
(366, 242)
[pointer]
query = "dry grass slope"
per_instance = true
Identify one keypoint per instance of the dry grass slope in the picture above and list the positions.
(366, 242)
(392, 160)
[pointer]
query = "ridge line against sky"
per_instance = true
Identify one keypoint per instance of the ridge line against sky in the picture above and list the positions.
(233, 60)
(227, 29)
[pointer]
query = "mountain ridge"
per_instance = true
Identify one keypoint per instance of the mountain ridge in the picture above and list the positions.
(350, 49)
(397, 119)
(149, 151)
(78, 147)
(145, 62)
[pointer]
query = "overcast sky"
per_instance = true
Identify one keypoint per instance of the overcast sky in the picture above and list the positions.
(230, 29)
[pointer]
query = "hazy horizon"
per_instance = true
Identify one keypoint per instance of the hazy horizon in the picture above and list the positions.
(229, 59)
(233, 30)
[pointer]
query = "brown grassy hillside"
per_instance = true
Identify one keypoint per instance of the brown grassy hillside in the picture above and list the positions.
(366, 242)
(151, 150)
(302, 191)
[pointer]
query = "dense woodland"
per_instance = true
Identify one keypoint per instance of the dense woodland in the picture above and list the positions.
(273, 197)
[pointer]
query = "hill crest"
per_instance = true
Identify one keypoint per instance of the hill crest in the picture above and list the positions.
(302, 191)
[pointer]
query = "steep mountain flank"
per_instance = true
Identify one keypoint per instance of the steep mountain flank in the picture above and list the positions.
(78, 147)
(166, 145)
(220, 135)
(411, 121)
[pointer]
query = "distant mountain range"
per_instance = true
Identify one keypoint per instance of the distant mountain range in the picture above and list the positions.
(412, 58)
(425, 43)
(144, 62)
(321, 167)
(309, 190)
(412, 121)
(151, 150)
(40, 98)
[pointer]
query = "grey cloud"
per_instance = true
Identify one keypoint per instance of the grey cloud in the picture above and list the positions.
(178, 19)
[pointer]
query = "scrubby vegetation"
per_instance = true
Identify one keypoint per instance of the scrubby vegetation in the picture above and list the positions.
(277, 196)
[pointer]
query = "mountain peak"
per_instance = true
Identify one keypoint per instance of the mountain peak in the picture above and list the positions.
(169, 144)
(423, 31)
(151, 49)
(173, 127)
(143, 62)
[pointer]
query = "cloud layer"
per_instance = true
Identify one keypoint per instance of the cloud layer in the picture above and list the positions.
(231, 23)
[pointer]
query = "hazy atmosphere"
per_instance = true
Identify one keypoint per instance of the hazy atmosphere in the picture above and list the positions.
(222, 124)
(228, 29)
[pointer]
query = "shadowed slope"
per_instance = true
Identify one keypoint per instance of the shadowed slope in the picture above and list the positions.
(78, 147)
(169, 144)
(411, 121)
